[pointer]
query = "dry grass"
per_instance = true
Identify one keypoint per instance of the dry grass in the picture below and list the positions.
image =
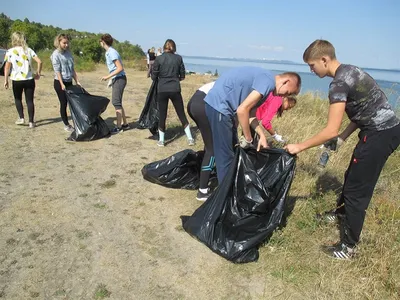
(375, 274)
(78, 221)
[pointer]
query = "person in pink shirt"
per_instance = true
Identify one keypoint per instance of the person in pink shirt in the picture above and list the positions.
(274, 105)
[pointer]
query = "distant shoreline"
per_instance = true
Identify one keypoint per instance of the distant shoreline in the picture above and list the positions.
(283, 62)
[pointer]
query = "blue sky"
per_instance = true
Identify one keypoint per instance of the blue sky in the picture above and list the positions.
(364, 32)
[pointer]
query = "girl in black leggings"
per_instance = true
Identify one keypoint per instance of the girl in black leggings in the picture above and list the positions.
(169, 69)
(20, 57)
(196, 110)
(64, 72)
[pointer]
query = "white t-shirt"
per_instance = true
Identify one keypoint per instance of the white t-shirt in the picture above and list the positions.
(207, 87)
(21, 62)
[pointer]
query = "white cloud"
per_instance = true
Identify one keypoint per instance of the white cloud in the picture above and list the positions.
(267, 48)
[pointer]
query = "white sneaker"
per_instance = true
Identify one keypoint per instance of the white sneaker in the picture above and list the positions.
(191, 142)
(20, 121)
(68, 128)
(32, 125)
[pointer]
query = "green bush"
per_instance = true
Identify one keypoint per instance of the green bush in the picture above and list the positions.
(85, 46)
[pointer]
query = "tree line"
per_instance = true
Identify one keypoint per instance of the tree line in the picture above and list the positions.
(84, 44)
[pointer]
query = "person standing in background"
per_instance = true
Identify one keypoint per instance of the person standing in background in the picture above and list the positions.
(148, 58)
(169, 69)
(64, 72)
(152, 57)
(159, 52)
(19, 57)
(117, 74)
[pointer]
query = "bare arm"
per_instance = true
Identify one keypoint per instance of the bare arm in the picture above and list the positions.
(59, 77)
(7, 69)
(76, 78)
(348, 131)
(335, 116)
(39, 67)
(262, 143)
(118, 70)
(243, 112)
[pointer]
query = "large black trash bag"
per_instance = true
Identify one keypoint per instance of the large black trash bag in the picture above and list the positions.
(247, 206)
(149, 118)
(179, 171)
(85, 112)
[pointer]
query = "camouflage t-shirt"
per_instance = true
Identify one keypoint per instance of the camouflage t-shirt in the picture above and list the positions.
(366, 103)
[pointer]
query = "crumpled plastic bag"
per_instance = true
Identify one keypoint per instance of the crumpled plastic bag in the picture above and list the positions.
(246, 208)
(149, 117)
(180, 170)
(85, 113)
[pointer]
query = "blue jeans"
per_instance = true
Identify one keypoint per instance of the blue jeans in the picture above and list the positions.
(224, 134)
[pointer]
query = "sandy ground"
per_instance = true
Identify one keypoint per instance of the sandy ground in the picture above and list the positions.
(77, 221)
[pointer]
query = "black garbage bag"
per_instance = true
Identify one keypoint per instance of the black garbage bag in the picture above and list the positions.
(85, 112)
(178, 171)
(245, 209)
(149, 117)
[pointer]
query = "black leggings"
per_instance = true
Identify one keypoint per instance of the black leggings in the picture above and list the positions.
(196, 110)
(28, 87)
(177, 101)
(63, 99)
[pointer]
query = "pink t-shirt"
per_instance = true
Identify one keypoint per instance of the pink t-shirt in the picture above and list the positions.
(268, 110)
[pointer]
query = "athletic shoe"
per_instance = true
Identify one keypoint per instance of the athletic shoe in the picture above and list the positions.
(116, 130)
(32, 125)
(68, 128)
(191, 142)
(20, 121)
(339, 251)
(125, 127)
(203, 196)
(160, 143)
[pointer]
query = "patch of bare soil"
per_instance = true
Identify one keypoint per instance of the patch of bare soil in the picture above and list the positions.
(77, 221)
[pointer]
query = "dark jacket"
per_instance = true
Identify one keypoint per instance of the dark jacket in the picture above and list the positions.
(170, 70)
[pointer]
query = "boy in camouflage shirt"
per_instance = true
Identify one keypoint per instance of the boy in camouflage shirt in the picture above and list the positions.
(355, 92)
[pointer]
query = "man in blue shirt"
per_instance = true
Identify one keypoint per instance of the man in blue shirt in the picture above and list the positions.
(237, 92)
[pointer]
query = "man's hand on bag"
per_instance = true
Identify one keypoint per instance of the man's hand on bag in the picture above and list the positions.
(244, 143)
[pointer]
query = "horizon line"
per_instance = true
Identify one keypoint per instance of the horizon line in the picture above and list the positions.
(274, 60)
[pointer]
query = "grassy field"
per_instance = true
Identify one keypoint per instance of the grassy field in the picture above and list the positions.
(77, 221)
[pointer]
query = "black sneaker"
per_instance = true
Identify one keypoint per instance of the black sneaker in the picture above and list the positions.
(125, 127)
(116, 130)
(339, 251)
(203, 196)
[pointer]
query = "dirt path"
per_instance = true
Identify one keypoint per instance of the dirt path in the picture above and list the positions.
(77, 221)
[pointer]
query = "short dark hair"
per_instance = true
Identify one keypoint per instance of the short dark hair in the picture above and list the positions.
(298, 79)
(108, 39)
